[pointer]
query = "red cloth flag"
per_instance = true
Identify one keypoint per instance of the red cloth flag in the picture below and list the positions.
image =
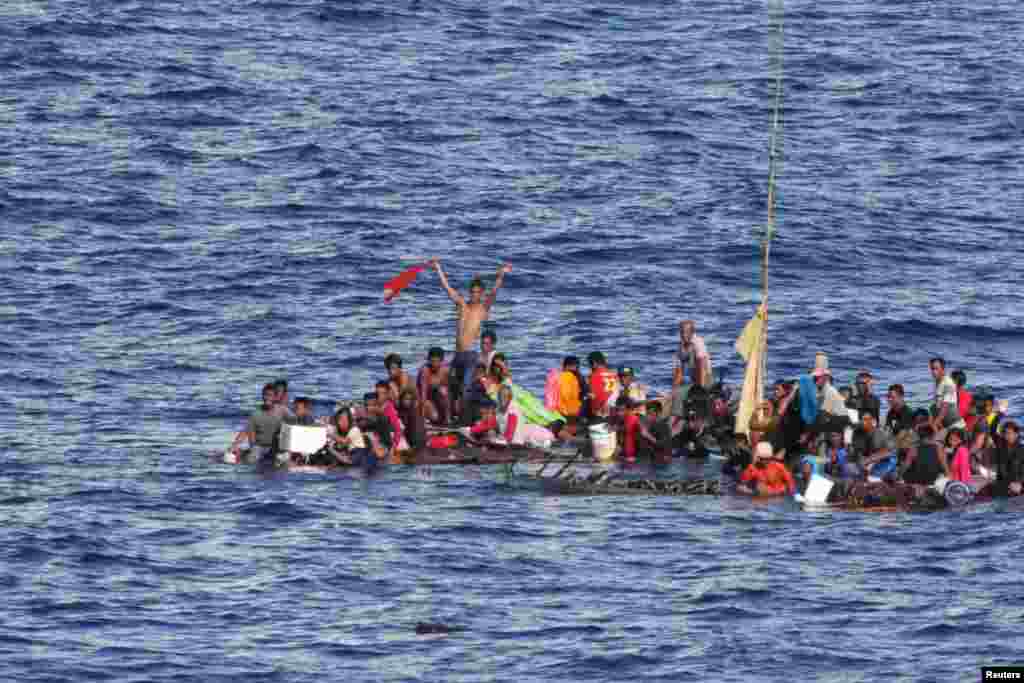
(396, 284)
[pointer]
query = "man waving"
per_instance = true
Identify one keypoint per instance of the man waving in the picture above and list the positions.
(470, 317)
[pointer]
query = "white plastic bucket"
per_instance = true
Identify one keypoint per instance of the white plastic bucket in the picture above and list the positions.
(603, 441)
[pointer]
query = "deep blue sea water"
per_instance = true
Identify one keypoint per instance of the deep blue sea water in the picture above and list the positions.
(200, 197)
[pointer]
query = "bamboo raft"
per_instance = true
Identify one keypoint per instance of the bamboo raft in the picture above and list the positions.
(599, 484)
(468, 454)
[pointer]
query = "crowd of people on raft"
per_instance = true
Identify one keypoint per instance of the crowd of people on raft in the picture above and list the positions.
(809, 427)
(812, 428)
(437, 408)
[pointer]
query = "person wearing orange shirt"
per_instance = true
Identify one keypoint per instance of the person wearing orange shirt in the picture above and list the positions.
(570, 398)
(766, 476)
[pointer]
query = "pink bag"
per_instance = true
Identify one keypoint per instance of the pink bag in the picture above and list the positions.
(552, 389)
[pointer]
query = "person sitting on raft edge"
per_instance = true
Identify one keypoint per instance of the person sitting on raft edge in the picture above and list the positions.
(486, 428)
(261, 429)
(873, 448)
(346, 444)
(432, 385)
(398, 378)
(376, 428)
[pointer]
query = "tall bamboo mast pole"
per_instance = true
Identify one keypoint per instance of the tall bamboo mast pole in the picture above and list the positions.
(776, 40)
(773, 146)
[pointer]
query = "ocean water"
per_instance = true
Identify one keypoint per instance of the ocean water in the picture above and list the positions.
(197, 198)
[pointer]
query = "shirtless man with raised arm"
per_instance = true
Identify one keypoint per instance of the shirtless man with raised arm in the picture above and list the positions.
(471, 315)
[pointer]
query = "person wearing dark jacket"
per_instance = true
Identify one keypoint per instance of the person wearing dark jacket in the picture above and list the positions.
(925, 462)
(1008, 461)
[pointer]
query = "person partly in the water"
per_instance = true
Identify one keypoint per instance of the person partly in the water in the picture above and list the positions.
(262, 428)
(655, 441)
(766, 476)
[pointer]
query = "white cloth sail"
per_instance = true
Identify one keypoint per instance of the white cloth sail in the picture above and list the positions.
(752, 345)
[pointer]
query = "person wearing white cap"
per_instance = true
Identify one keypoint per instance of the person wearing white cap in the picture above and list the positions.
(766, 476)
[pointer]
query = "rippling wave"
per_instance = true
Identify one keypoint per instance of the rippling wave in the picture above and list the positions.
(202, 197)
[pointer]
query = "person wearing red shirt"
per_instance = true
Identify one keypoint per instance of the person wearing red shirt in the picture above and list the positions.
(958, 457)
(630, 428)
(487, 425)
(964, 399)
(388, 410)
(604, 386)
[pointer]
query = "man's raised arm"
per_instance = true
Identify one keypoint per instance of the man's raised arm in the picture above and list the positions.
(498, 282)
(452, 294)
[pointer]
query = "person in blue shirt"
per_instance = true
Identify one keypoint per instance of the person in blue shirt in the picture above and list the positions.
(837, 464)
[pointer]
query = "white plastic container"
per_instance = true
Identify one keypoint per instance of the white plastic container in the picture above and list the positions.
(848, 432)
(817, 490)
(604, 442)
(305, 440)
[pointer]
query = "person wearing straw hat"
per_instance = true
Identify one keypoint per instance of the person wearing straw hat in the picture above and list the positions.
(829, 399)
(832, 414)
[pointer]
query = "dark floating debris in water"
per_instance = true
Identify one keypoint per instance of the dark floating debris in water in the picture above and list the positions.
(423, 628)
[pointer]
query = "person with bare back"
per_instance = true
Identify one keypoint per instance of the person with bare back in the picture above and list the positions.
(470, 318)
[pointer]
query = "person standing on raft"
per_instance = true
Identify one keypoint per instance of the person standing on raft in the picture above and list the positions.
(692, 354)
(471, 316)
